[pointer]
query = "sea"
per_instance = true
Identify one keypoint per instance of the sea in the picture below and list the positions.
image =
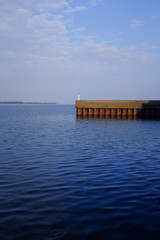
(69, 178)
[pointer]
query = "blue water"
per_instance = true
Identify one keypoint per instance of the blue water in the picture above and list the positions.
(68, 178)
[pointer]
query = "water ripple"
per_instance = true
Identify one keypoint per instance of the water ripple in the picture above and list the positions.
(68, 178)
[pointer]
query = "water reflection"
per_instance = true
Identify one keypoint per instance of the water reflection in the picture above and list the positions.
(120, 117)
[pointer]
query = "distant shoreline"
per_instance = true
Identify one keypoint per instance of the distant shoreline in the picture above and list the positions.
(19, 102)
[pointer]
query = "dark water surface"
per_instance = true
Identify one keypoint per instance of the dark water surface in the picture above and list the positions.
(67, 178)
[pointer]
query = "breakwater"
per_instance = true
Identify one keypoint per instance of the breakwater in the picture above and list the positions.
(118, 108)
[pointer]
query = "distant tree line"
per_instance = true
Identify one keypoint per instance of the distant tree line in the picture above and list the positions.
(19, 102)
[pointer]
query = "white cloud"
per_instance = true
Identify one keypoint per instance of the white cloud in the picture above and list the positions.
(41, 48)
(95, 2)
(137, 23)
(47, 5)
(44, 24)
(102, 55)
(76, 9)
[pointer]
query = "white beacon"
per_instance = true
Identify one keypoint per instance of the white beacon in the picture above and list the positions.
(78, 96)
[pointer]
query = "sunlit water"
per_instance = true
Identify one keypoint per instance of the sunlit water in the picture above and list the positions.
(67, 178)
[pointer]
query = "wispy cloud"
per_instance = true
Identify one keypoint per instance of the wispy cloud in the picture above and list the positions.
(155, 16)
(154, 47)
(42, 46)
(48, 5)
(95, 2)
(76, 9)
(137, 23)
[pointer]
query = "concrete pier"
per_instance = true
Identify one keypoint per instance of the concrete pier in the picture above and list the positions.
(118, 108)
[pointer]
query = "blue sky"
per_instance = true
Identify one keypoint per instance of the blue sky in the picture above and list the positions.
(106, 49)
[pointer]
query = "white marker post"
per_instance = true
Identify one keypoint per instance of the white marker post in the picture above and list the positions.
(78, 96)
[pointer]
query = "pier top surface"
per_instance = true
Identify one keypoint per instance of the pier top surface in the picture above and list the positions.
(151, 104)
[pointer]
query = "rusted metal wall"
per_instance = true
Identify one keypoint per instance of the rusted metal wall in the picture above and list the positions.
(118, 108)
